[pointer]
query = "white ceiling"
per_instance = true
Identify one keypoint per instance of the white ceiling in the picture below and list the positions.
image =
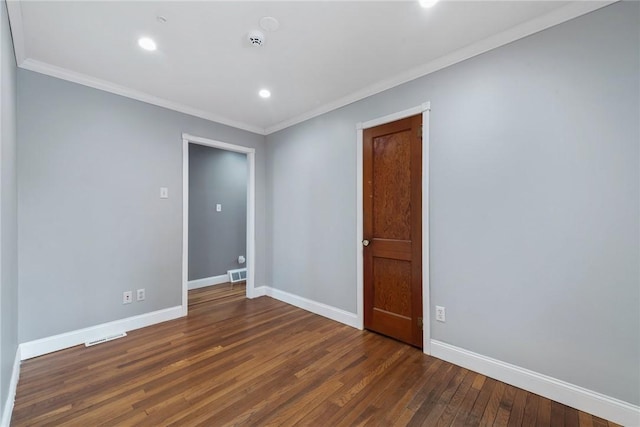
(325, 54)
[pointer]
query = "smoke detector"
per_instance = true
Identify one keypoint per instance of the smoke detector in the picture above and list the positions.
(256, 38)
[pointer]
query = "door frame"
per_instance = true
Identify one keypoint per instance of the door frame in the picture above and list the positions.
(251, 210)
(425, 109)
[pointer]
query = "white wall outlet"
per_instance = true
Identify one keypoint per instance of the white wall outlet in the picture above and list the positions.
(127, 297)
(140, 294)
(440, 314)
(164, 193)
(218, 207)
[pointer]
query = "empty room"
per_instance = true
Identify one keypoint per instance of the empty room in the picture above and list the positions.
(320, 213)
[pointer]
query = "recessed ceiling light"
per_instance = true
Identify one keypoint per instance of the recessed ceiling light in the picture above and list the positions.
(428, 3)
(269, 23)
(264, 93)
(147, 44)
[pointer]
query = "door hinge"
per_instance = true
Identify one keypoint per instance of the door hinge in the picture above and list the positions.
(420, 322)
(419, 135)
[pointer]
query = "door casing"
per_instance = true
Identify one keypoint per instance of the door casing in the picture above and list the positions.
(425, 109)
(251, 211)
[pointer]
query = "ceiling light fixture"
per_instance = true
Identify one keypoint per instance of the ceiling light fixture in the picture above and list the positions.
(269, 23)
(147, 44)
(428, 3)
(264, 93)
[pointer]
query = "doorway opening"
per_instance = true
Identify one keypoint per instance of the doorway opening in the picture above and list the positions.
(393, 259)
(244, 260)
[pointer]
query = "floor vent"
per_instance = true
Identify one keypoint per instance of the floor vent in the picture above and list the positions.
(239, 275)
(105, 339)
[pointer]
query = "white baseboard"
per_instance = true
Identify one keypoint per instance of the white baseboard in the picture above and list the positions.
(259, 292)
(11, 393)
(572, 395)
(69, 339)
(342, 316)
(207, 281)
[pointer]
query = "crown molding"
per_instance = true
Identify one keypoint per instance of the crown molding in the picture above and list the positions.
(22, 59)
(83, 79)
(558, 16)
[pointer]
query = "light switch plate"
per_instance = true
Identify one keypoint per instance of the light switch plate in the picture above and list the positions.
(164, 193)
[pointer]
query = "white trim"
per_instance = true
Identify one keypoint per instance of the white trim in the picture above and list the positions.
(424, 108)
(555, 17)
(251, 225)
(251, 210)
(207, 281)
(324, 310)
(185, 226)
(568, 394)
(104, 85)
(359, 228)
(14, 8)
(426, 286)
(218, 144)
(11, 392)
(5, 416)
(70, 339)
(260, 291)
(394, 116)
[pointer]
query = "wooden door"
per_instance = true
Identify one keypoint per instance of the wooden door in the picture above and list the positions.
(392, 177)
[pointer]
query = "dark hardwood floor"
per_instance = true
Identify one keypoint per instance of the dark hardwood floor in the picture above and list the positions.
(261, 362)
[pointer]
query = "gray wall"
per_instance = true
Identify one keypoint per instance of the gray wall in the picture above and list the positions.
(8, 210)
(216, 239)
(91, 223)
(535, 217)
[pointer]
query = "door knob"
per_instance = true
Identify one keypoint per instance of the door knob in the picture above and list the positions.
(365, 243)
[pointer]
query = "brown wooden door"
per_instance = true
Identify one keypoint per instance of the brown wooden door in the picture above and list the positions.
(392, 169)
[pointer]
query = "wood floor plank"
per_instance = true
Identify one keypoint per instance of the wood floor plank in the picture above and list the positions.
(571, 418)
(469, 401)
(486, 389)
(504, 411)
(399, 411)
(372, 375)
(426, 391)
(362, 407)
(432, 408)
(599, 422)
(450, 411)
(530, 410)
(425, 398)
(557, 414)
(586, 420)
(261, 362)
(493, 405)
(394, 389)
(517, 410)
(544, 413)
